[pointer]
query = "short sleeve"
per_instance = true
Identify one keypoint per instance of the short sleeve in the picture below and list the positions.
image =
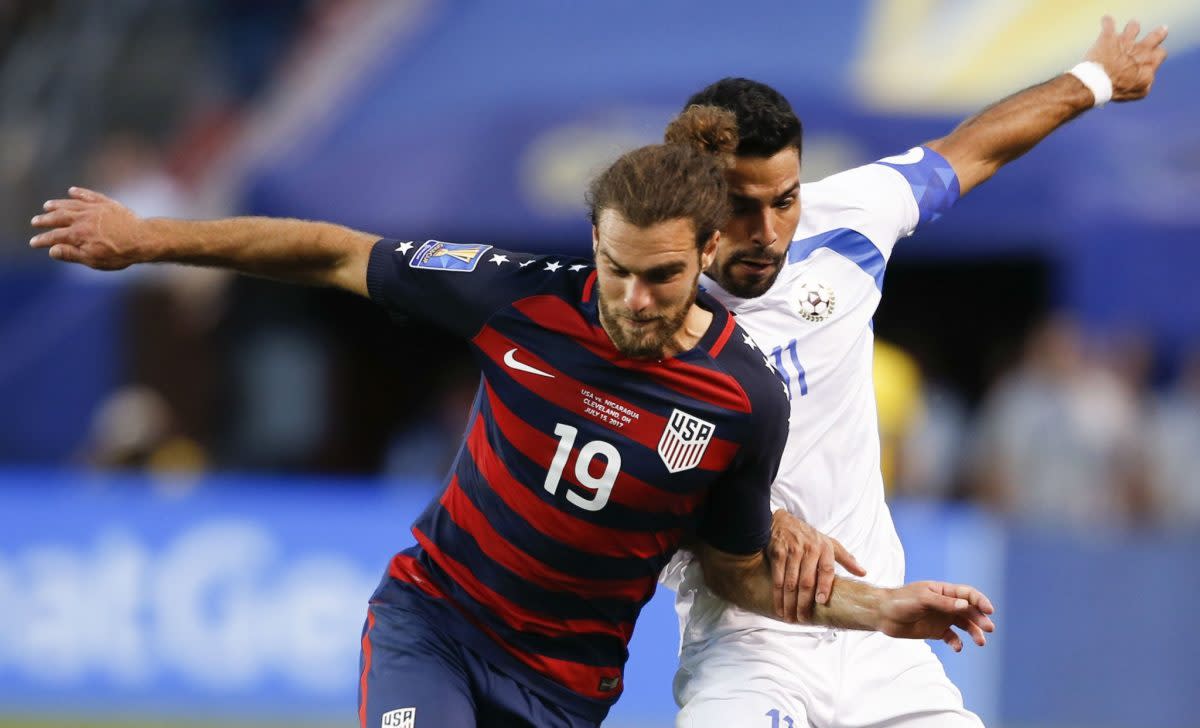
(885, 200)
(737, 517)
(456, 286)
(930, 180)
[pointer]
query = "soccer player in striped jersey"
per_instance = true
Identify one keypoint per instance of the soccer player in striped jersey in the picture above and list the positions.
(802, 267)
(621, 412)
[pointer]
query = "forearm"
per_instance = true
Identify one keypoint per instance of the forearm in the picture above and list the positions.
(297, 251)
(852, 604)
(1009, 128)
(748, 583)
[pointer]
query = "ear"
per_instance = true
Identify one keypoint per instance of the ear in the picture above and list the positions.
(709, 252)
(595, 240)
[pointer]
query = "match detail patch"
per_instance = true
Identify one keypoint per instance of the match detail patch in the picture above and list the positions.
(457, 257)
(684, 441)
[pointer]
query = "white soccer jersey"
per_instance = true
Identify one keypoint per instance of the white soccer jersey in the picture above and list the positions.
(814, 324)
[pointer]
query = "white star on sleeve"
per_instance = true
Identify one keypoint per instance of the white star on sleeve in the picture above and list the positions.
(553, 266)
(499, 258)
(749, 342)
(578, 267)
(404, 247)
(525, 263)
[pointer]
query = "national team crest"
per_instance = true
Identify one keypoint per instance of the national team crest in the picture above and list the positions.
(459, 257)
(684, 441)
(814, 301)
(400, 718)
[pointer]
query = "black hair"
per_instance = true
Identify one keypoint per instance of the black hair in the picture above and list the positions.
(765, 120)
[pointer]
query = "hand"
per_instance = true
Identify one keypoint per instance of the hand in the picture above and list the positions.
(802, 560)
(91, 229)
(1130, 63)
(931, 609)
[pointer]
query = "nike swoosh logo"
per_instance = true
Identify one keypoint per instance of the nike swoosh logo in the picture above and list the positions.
(510, 358)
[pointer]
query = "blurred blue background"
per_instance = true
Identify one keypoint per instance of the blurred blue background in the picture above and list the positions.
(1039, 370)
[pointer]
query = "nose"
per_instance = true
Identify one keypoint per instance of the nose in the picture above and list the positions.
(764, 228)
(637, 295)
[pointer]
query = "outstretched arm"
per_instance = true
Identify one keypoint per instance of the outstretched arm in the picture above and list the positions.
(93, 230)
(921, 610)
(1007, 129)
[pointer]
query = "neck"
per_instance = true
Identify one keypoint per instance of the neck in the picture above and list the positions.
(694, 326)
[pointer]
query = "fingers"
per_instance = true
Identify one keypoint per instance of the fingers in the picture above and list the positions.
(972, 629)
(847, 560)
(52, 237)
(54, 219)
(67, 253)
(942, 603)
(952, 639)
(794, 585)
(1108, 26)
(1130, 34)
(806, 593)
(825, 562)
(68, 204)
(83, 193)
(948, 598)
(1155, 37)
(970, 594)
(779, 576)
(786, 566)
(968, 603)
(977, 617)
(1157, 56)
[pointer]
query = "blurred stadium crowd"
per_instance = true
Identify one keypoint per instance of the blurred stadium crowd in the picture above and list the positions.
(1054, 422)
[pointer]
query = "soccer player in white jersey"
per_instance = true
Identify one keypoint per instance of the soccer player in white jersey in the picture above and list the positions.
(802, 266)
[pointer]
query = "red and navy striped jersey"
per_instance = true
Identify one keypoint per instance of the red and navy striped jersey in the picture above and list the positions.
(582, 470)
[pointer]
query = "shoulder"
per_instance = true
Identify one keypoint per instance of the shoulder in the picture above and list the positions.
(883, 201)
(753, 373)
(462, 285)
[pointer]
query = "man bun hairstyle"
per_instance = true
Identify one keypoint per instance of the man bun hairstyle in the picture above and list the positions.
(765, 120)
(683, 178)
(708, 129)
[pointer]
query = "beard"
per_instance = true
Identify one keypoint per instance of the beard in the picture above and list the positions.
(739, 282)
(644, 342)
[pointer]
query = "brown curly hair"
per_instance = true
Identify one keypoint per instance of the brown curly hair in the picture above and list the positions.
(683, 178)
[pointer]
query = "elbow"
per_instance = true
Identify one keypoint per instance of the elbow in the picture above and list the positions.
(971, 167)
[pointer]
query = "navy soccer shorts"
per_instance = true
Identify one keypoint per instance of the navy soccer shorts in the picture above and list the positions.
(414, 676)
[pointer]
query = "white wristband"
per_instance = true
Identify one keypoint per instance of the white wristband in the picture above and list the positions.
(1093, 75)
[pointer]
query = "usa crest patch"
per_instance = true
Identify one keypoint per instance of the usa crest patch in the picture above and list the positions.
(458, 257)
(683, 443)
(399, 718)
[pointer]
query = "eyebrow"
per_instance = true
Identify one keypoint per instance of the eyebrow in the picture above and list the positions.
(611, 260)
(789, 191)
(659, 270)
(666, 269)
(735, 197)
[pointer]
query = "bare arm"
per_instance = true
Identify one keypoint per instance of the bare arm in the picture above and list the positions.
(90, 229)
(1007, 129)
(802, 563)
(921, 610)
